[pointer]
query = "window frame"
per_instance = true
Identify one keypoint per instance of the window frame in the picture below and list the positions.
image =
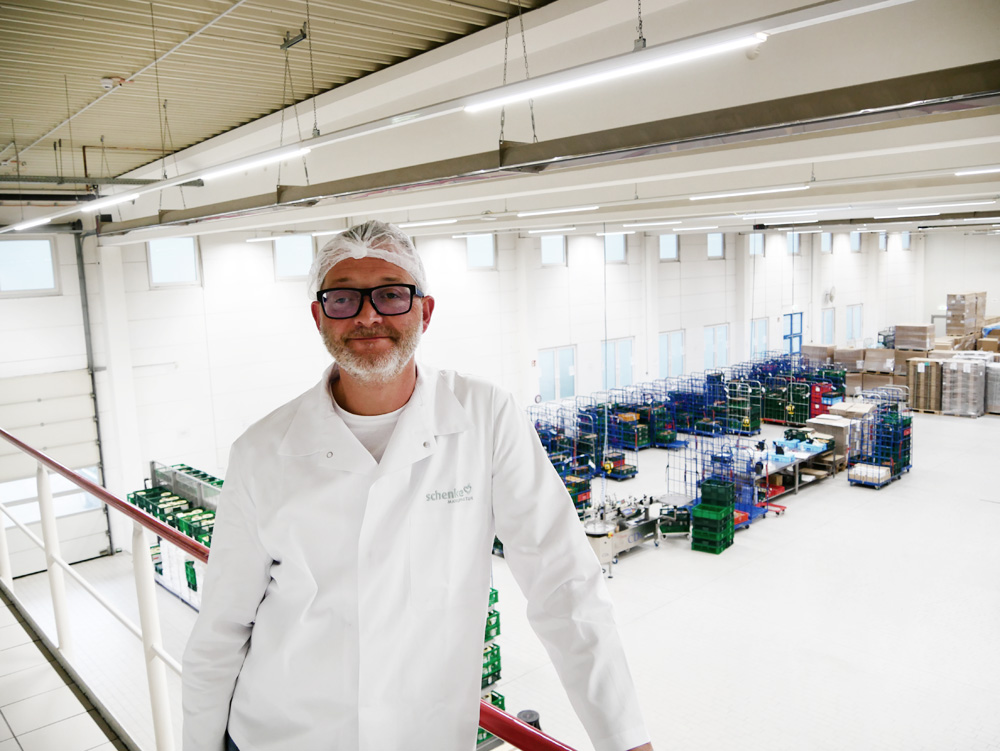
(751, 241)
(793, 338)
(56, 276)
(852, 236)
(826, 242)
(714, 328)
(850, 328)
(617, 362)
(722, 244)
(199, 276)
(556, 385)
(793, 243)
(541, 250)
(274, 256)
(753, 336)
(664, 349)
(493, 250)
(833, 325)
(677, 247)
(624, 239)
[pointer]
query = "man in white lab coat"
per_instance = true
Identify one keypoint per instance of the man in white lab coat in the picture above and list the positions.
(345, 601)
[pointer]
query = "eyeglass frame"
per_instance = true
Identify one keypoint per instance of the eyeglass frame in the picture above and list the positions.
(415, 291)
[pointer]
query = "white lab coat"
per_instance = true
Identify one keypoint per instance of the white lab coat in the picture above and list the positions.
(345, 602)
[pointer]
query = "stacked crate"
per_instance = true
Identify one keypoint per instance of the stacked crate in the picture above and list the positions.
(491, 667)
(579, 490)
(712, 525)
(924, 381)
(963, 387)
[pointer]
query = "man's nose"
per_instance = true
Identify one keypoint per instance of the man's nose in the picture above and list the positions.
(367, 314)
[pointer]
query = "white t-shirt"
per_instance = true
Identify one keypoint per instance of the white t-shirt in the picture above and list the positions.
(373, 431)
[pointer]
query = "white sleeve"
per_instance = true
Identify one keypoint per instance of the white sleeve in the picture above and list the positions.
(237, 577)
(569, 606)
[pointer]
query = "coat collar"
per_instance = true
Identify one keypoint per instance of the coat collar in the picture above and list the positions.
(432, 410)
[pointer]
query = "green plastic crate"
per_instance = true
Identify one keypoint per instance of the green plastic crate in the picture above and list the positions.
(718, 491)
(709, 548)
(492, 625)
(192, 578)
(708, 513)
(494, 597)
(712, 537)
(491, 659)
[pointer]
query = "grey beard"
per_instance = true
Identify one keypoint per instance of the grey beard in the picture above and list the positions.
(375, 369)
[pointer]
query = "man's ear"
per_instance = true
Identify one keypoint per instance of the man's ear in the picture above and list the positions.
(427, 310)
(317, 314)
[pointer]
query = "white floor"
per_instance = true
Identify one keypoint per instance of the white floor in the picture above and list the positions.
(860, 619)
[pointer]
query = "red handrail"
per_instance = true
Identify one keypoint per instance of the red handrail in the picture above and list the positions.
(505, 726)
(150, 522)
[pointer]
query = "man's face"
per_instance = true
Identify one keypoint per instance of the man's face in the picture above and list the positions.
(373, 348)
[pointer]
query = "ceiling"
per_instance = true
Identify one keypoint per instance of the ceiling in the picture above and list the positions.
(865, 111)
(175, 74)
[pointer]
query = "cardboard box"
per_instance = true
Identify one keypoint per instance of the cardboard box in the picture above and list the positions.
(880, 360)
(836, 426)
(924, 382)
(852, 384)
(851, 360)
(871, 381)
(821, 353)
(989, 344)
(915, 336)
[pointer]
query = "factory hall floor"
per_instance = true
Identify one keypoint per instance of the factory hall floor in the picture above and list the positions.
(858, 619)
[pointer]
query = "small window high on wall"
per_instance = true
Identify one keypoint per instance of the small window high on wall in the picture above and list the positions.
(556, 373)
(671, 354)
(716, 245)
(826, 242)
(793, 243)
(756, 244)
(792, 332)
(669, 247)
(173, 262)
(27, 268)
(553, 250)
(480, 251)
(855, 242)
(293, 256)
(614, 248)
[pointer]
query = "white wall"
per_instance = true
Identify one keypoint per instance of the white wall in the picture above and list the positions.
(208, 360)
(959, 263)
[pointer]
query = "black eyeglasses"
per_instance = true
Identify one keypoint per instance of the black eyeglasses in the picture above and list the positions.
(388, 300)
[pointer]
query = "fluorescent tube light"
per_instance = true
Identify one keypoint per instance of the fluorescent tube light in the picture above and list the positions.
(428, 223)
(31, 223)
(259, 239)
(983, 219)
(243, 166)
(605, 234)
(652, 224)
(984, 171)
(945, 206)
(759, 192)
(693, 229)
(901, 216)
(328, 232)
(521, 214)
(751, 217)
(609, 69)
(557, 229)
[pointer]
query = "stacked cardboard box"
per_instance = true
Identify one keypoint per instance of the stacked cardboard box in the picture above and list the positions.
(880, 361)
(993, 388)
(924, 382)
(915, 336)
(966, 313)
(819, 353)
(963, 387)
(988, 344)
(851, 360)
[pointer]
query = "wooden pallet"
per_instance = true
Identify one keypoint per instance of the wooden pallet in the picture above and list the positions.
(926, 411)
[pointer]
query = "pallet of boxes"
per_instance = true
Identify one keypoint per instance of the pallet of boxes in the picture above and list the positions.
(954, 377)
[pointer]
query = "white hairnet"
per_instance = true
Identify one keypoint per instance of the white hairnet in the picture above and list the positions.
(373, 239)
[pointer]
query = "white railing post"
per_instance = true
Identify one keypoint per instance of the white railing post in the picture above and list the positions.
(6, 573)
(149, 621)
(57, 582)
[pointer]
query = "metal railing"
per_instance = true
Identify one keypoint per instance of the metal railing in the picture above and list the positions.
(504, 726)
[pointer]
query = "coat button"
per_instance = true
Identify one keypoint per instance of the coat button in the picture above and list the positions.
(427, 444)
(329, 454)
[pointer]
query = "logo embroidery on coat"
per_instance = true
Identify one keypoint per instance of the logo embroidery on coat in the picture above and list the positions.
(456, 495)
